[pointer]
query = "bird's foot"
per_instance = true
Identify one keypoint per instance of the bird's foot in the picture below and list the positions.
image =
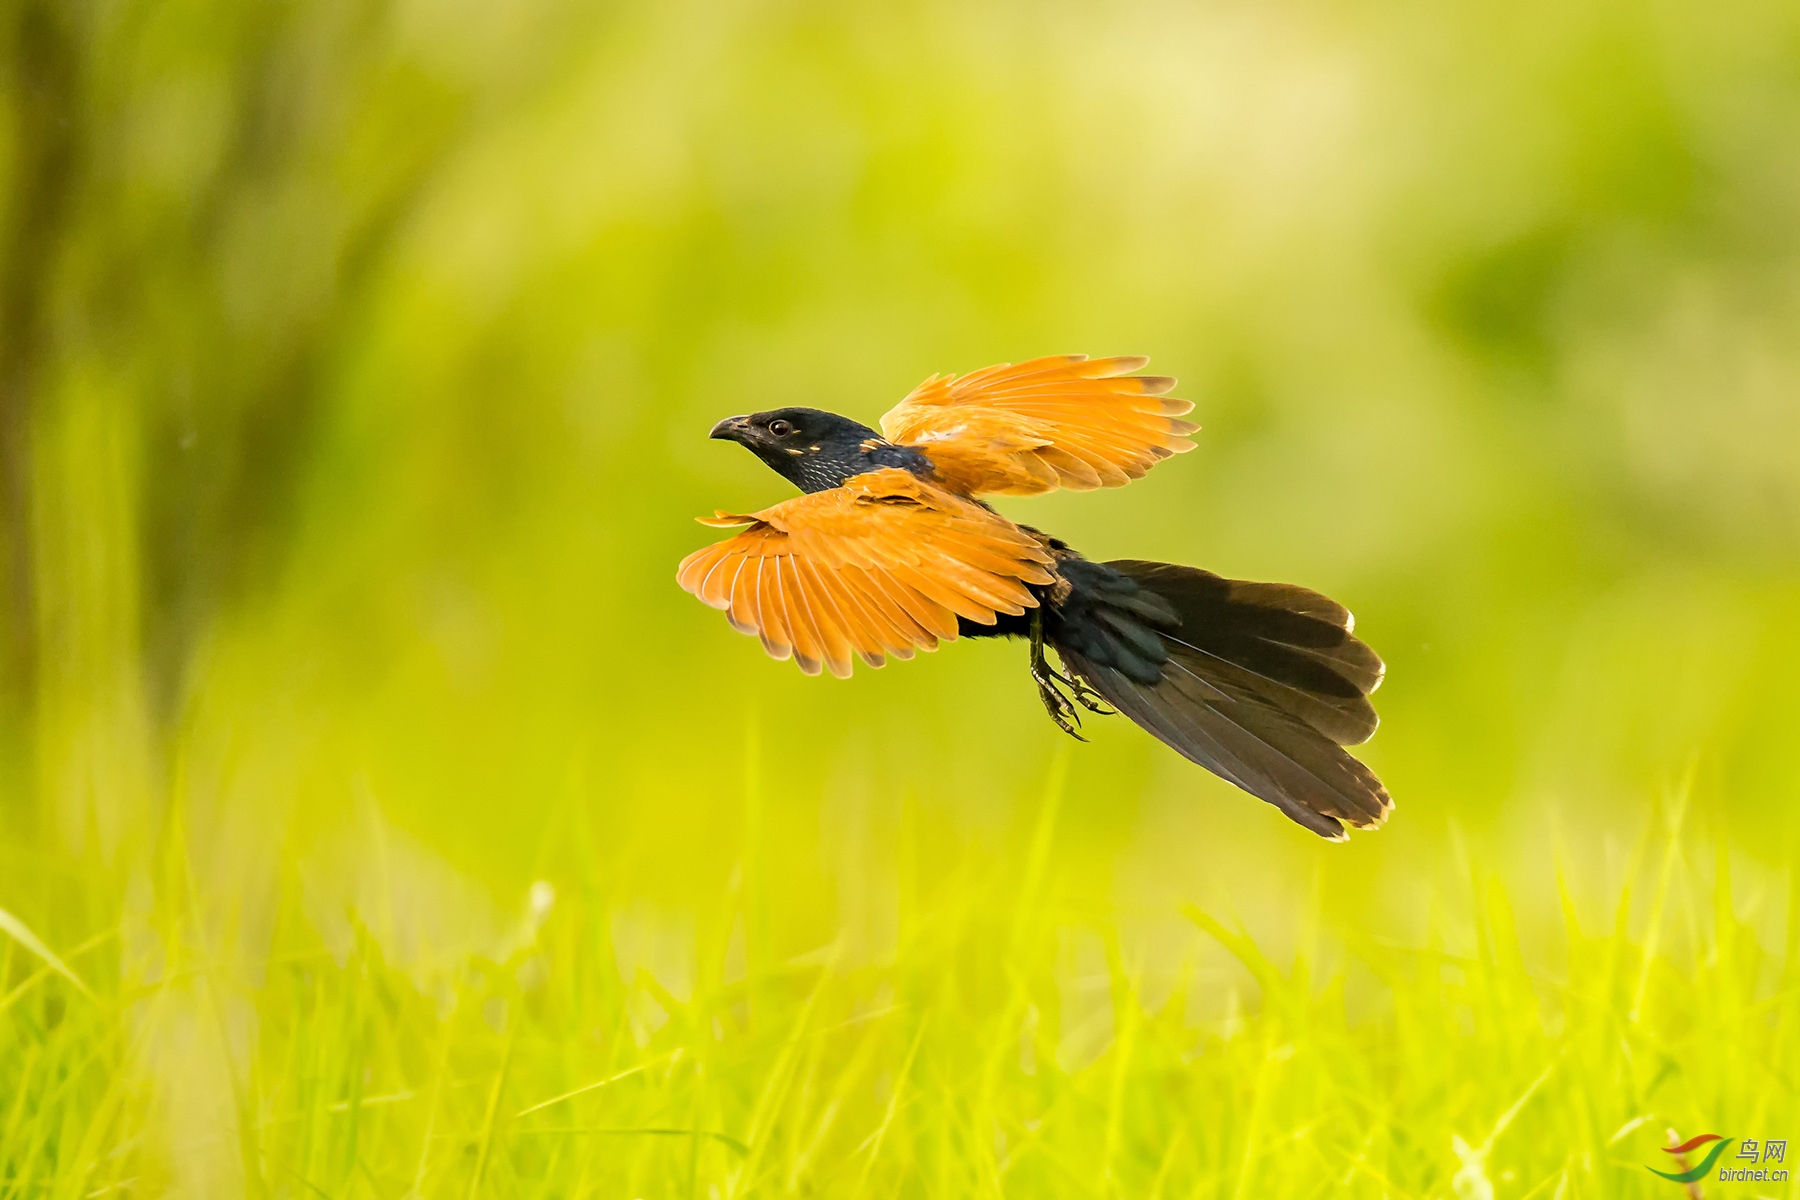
(1089, 698)
(1047, 676)
(1065, 714)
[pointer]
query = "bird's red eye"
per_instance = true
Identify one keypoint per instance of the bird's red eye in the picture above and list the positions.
(780, 428)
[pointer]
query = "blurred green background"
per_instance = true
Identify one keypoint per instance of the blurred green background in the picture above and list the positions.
(357, 358)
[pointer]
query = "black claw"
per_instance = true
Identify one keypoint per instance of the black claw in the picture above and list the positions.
(1061, 710)
(1090, 699)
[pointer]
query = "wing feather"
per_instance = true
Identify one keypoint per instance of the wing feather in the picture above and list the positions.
(777, 639)
(1065, 421)
(893, 630)
(900, 632)
(809, 646)
(715, 576)
(921, 613)
(744, 610)
(949, 603)
(832, 626)
(874, 633)
(881, 567)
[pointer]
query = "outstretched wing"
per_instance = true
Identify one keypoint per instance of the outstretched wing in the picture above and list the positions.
(882, 565)
(1068, 421)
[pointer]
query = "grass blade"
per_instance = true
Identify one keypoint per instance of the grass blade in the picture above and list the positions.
(21, 933)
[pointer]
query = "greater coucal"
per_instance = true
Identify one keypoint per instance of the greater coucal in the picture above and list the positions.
(891, 551)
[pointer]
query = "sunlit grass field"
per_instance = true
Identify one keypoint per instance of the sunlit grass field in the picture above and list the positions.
(1001, 1036)
(378, 818)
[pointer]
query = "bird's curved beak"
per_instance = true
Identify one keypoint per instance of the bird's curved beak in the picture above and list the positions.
(731, 429)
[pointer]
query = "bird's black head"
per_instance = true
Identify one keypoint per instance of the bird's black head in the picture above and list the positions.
(817, 450)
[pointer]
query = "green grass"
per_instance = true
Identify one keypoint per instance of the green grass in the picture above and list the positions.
(978, 1055)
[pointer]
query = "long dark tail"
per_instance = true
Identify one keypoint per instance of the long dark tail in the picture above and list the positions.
(1260, 683)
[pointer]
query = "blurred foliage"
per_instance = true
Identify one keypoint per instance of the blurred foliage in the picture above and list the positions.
(356, 358)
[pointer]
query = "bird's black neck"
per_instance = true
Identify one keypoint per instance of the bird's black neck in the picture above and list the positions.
(833, 464)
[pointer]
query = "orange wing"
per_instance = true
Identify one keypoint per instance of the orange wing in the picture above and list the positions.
(883, 565)
(1067, 421)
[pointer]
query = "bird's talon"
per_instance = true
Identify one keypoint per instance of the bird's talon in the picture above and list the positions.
(1087, 696)
(1059, 706)
(1090, 699)
(1061, 712)
(1065, 714)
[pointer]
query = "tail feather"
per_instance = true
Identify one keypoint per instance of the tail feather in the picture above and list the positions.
(1262, 684)
(1291, 645)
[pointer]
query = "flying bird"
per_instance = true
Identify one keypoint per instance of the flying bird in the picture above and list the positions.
(891, 550)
